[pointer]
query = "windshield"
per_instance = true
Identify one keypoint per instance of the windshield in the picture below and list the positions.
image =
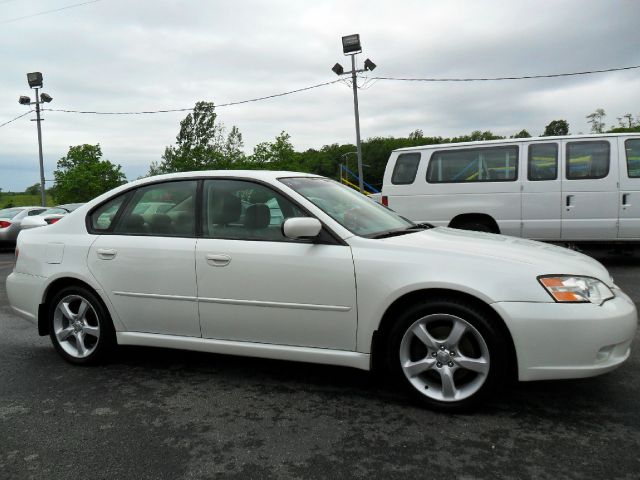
(10, 212)
(352, 210)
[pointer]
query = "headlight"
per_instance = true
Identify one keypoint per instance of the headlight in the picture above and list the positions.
(574, 289)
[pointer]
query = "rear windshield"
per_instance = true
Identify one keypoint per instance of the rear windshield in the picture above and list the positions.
(10, 212)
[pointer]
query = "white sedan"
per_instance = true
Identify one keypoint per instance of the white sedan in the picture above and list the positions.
(298, 267)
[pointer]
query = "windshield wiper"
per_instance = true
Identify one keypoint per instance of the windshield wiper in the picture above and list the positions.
(410, 229)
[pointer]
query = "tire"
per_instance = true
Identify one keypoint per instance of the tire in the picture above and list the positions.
(447, 354)
(82, 340)
(477, 227)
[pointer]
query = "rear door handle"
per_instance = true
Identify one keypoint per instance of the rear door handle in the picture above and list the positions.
(625, 198)
(106, 253)
(218, 260)
(569, 201)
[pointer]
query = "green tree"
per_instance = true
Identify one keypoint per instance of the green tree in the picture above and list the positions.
(33, 189)
(556, 128)
(596, 119)
(276, 155)
(81, 175)
(522, 134)
(201, 144)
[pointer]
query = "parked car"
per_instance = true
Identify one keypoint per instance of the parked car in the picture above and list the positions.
(11, 220)
(571, 188)
(298, 267)
(49, 216)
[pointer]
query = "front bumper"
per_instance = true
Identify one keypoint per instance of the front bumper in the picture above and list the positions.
(563, 340)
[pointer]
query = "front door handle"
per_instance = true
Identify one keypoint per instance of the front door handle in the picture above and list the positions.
(218, 260)
(106, 253)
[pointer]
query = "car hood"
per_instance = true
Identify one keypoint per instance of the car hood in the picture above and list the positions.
(543, 257)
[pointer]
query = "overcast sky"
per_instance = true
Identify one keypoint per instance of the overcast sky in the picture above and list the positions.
(123, 55)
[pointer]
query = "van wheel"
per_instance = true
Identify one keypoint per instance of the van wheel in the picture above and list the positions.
(80, 327)
(447, 354)
(476, 227)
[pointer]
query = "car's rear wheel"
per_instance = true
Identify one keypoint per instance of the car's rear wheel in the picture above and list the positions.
(448, 353)
(79, 326)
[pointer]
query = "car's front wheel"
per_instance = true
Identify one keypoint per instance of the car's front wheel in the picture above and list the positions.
(448, 353)
(79, 326)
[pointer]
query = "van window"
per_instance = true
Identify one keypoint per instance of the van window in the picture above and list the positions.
(405, 169)
(633, 157)
(543, 161)
(587, 160)
(495, 164)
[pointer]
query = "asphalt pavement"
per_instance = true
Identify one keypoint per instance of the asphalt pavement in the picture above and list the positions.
(168, 414)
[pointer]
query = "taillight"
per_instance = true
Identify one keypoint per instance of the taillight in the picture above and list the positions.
(385, 200)
(51, 221)
(4, 224)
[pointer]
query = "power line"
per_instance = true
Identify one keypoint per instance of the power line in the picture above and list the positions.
(490, 79)
(17, 118)
(191, 108)
(10, 20)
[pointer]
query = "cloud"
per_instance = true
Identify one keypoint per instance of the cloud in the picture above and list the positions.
(119, 56)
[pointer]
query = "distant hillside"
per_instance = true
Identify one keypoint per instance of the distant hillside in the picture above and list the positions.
(21, 199)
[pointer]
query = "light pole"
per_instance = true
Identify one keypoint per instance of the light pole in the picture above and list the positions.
(35, 81)
(351, 46)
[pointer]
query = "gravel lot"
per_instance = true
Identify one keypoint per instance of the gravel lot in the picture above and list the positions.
(158, 414)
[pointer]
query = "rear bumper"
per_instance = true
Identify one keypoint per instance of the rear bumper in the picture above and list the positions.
(25, 294)
(555, 341)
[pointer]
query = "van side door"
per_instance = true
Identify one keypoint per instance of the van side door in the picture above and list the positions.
(629, 149)
(541, 191)
(590, 189)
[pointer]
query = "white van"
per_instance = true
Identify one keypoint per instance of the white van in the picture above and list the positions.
(570, 188)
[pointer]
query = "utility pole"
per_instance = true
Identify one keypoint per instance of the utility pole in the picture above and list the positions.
(351, 46)
(35, 81)
(43, 197)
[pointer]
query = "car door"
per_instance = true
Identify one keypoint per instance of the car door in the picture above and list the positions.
(629, 188)
(145, 264)
(590, 190)
(541, 192)
(255, 285)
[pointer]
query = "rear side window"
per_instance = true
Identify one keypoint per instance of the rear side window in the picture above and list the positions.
(543, 161)
(163, 209)
(587, 160)
(102, 217)
(632, 148)
(495, 164)
(405, 169)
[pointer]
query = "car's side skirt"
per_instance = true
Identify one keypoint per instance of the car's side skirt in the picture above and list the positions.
(248, 349)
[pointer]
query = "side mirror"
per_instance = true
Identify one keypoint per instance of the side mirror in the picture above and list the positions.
(301, 227)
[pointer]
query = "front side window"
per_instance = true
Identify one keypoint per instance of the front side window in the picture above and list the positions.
(357, 213)
(163, 209)
(587, 160)
(405, 169)
(543, 161)
(632, 148)
(243, 210)
(487, 164)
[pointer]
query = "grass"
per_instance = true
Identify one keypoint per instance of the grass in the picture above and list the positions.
(22, 199)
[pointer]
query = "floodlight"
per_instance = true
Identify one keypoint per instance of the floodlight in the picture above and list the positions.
(45, 97)
(369, 65)
(351, 44)
(24, 100)
(34, 79)
(337, 69)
